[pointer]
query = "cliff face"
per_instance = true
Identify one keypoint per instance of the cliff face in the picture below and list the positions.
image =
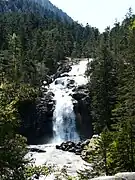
(36, 118)
(82, 111)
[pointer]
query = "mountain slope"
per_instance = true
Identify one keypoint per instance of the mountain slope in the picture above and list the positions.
(49, 6)
(42, 7)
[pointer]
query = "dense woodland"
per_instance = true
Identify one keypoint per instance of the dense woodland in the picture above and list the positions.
(112, 92)
(33, 46)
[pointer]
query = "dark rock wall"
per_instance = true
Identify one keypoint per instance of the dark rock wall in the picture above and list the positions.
(36, 119)
(82, 111)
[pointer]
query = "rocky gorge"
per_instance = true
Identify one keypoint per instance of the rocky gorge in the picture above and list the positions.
(62, 117)
(64, 92)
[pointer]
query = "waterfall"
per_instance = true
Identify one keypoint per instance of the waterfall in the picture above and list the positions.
(64, 125)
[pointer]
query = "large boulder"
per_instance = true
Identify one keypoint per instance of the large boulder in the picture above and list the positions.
(125, 176)
(105, 178)
(70, 146)
(119, 176)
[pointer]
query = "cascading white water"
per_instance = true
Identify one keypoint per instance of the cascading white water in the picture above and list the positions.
(64, 125)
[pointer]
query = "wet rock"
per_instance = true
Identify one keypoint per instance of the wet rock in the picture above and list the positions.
(50, 94)
(58, 147)
(78, 151)
(74, 89)
(63, 147)
(45, 83)
(36, 176)
(79, 144)
(50, 105)
(63, 68)
(74, 102)
(64, 75)
(44, 88)
(36, 150)
(59, 81)
(72, 149)
(118, 176)
(85, 143)
(70, 144)
(86, 100)
(48, 80)
(79, 95)
(71, 81)
(82, 87)
(82, 111)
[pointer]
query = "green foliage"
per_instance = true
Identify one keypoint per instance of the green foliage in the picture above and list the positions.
(38, 170)
(12, 145)
(32, 46)
(112, 90)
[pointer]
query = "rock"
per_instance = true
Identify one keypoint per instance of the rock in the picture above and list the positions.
(58, 147)
(36, 176)
(82, 87)
(50, 94)
(70, 144)
(34, 120)
(50, 105)
(74, 101)
(79, 144)
(85, 143)
(44, 88)
(65, 146)
(45, 83)
(82, 111)
(125, 176)
(64, 75)
(78, 151)
(50, 113)
(79, 95)
(118, 176)
(95, 136)
(71, 81)
(72, 149)
(86, 100)
(36, 150)
(105, 178)
(59, 81)
(63, 68)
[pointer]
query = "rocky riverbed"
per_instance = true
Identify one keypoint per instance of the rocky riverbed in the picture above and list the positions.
(50, 155)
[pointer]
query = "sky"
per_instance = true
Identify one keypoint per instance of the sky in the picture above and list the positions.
(98, 13)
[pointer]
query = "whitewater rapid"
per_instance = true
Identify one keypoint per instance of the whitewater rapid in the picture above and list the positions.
(64, 124)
